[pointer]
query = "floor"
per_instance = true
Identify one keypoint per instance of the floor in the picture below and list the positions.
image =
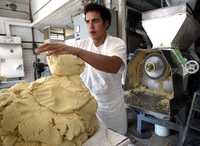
(149, 138)
(156, 141)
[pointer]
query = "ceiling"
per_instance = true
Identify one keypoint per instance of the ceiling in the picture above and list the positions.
(62, 16)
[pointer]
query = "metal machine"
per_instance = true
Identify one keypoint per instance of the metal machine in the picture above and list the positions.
(11, 60)
(158, 77)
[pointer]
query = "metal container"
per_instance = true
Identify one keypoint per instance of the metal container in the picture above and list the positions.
(191, 3)
(171, 27)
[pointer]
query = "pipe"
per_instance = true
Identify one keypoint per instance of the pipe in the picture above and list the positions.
(167, 2)
(122, 19)
(107, 3)
(32, 30)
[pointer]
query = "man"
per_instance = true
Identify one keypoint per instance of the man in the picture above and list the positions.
(39, 68)
(105, 58)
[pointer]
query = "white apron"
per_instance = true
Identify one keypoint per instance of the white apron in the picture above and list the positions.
(107, 90)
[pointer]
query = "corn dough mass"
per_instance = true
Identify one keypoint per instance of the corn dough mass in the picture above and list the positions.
(53, 111)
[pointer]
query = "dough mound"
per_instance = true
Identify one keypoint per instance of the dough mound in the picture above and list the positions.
(53, 111)
(65, 65)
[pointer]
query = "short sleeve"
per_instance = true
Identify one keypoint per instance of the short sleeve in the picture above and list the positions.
(83, 44)
(117, 47)
(120, 52)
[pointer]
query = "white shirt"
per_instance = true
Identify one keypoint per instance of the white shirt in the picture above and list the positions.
(99, 82)
(106, 87)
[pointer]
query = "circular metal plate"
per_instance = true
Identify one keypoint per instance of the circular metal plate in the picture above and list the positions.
(154, 66)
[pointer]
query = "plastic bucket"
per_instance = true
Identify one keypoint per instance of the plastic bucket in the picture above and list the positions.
(161, 130)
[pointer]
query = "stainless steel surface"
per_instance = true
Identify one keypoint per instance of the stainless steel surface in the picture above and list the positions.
(163, 12)
(171, 27)
(148, 104)
(192, 3)
(150, 81)
(155, 85)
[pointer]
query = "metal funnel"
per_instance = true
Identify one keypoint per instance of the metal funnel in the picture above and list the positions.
(172, 27)
(191, 3)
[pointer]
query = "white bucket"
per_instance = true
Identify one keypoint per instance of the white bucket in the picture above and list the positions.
(161, 130)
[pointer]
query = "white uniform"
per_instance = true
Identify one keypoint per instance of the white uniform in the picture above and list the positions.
(107, 87)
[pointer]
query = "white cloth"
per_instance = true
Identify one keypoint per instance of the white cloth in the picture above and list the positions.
(100, 138)
(106, 137)
(107, 87)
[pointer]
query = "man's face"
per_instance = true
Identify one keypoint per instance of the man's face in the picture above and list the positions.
(96, 26)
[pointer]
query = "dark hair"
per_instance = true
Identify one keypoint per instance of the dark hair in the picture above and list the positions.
(102, 10)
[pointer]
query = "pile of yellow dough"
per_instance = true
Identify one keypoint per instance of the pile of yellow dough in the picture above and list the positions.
(53, 111)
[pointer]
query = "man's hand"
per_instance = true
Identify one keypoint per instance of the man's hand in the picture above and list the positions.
(110, 64)
(57, 49)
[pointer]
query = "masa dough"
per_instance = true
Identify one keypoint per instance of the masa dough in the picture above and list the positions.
(59, 66)
(53, 111)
